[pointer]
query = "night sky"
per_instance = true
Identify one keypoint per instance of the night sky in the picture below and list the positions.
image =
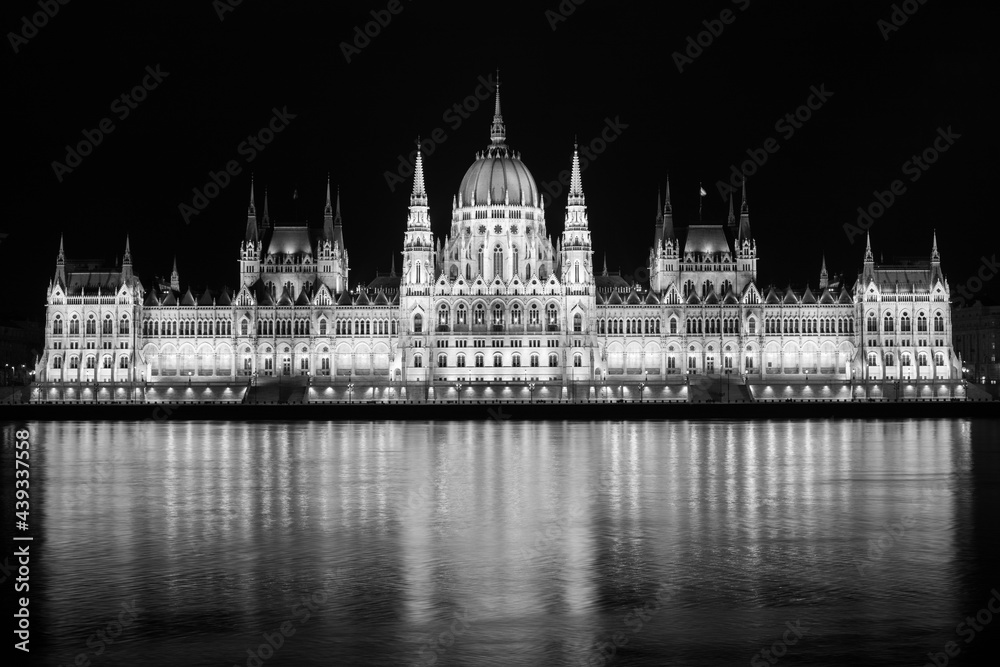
(563, 75)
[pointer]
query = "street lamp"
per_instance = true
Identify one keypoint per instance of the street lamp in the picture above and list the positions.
(531, 392)
(350, 392)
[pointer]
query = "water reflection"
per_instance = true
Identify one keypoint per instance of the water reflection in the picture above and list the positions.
(505, 543)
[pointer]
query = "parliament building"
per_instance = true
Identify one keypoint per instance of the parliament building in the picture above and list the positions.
(495, 308)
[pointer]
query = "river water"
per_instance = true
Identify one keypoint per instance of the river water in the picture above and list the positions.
(512, 543)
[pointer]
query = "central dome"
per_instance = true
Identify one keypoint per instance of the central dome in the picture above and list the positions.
(498, 175)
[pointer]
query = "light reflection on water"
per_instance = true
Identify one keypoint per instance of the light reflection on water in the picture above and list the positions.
(508, 543)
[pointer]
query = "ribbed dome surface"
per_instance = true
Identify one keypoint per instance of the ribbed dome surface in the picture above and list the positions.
(500, 176)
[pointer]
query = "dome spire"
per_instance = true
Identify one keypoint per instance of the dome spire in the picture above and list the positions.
(668, 216)
(497, 132)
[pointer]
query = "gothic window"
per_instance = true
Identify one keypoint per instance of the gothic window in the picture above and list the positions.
(461, 314)
(576, 272)
(442, 361)
(479, 314)
(889, 360)
(939, 359)
(887, 324)
(418, 361)
(534, 361)
(904, 323)
(577, 323)
(497, 315)
(91, 326)
(673, 325)
(480, 361)
(922, 359)
(515, 314)
(123, 327)
(460, 362)
(322, 326)
(498, 261)
(551, 315)
(515, 360)
(922, 323)
(443, 316)
(418, 273)
(57, 363)
(57, 326)
(123, 362)
(872, 322)
(553, 360)
(480, 255)
(418, 323)
(89, 362)
(533, 314)
(74, 363)
(872, 359)
(752, 326)
(497, 360)
(577, 360)
(938, 323)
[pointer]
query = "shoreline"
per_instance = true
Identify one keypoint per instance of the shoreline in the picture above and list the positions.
(500, 411)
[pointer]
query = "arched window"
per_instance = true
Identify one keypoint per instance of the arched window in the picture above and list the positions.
(480, 256)
(107, 327)
(516, 316)
(576, 272)
(515, 360)
(497, 315)
(57, 326)
(673, 325)
(91, 326)
(123, 327)
(533, 314)
(442, 361)
(904, 323)
(418, 361)
(444, 316)
(939, 359)
(498, 261)
(460, 361)
(497, 360)
(553, 360)
(889, 361)
(480, 361)
(752, 326)
(123, 362)
(552, 316)
(516, 257)
(461, 315)
(887, 323)
(922, 359)
(577, 360)
(872, 359)
(938, 323)
(479, 314)
(90, 362)
(534, 361)
(922, 323)
(322, 326)
(57, 363)
(577, 323)
(418, 323)
(872, 323)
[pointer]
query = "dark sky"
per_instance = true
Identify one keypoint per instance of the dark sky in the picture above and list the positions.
(605, 60)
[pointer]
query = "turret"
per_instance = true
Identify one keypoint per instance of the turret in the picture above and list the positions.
(127, 262)
(175, 279)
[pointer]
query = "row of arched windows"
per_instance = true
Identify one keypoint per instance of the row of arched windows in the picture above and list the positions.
(362, 327)
(830, 325)
(905, 359)
(90, 326)
(187, 328)
(889, 323)
(629, 327)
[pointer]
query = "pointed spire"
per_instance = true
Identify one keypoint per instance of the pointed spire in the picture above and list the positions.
(328, 208)
(251, 231)
(497, 131)
(605, 264)
(744, 233)
(576, 197)
(61, 263)
(935, 255)
(266, 220)
(824, 277)
(869, 257)
(659, 207)
(128, 251)
(392, 266)
(175, 280)
(419, 195)
(732, 216)
(668, 215)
